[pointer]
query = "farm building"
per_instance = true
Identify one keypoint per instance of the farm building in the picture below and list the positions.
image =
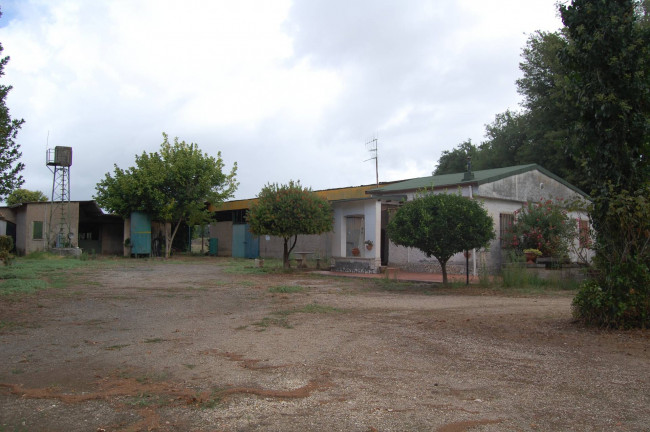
(358, 241)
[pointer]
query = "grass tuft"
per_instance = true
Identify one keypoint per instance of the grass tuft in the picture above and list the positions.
(286, 289)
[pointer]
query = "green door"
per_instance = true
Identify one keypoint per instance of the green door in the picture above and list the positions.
(244, 244)
(140, 234)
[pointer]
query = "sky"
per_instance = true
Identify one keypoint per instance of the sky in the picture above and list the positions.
(287, 89)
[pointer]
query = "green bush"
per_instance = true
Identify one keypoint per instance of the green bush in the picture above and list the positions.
(6, 245)
(619, 296)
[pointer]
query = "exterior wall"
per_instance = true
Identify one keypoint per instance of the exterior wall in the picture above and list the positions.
(8, 214)
(369, 261)
(28, 213)
(529, 186)
(319, 244)
(222, 231)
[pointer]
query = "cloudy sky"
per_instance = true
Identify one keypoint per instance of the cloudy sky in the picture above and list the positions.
(289, 89)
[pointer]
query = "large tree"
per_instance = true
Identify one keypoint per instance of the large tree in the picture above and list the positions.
(608, 82)
(10, 167)
(441, 225)
(20, 196)
(172, 185)
(287, 211)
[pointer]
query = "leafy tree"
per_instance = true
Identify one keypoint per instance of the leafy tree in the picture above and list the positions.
(608, 81)
(441, 225)
(20, 196)
(455, 161)
(287, 211)
(10, 168)
(608, 59)
(172, 185)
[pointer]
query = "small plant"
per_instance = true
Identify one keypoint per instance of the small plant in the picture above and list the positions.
(536, 252)
(6, 245)
(369, 243)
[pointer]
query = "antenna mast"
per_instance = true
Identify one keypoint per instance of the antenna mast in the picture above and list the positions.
(372, 148)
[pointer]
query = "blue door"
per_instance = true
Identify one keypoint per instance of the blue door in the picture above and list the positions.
(244, 244)
(140, 234)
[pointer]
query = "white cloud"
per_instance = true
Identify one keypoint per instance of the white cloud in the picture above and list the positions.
(289, 90)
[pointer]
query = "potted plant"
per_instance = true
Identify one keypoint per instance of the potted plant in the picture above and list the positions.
(355, 251)
(531, 255)
(369, 244)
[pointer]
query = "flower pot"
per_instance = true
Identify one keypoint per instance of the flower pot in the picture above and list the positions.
(531, 258)
(356, 252)
(369, 247)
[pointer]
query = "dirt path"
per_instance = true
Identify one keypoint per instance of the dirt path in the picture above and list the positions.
(188, 347)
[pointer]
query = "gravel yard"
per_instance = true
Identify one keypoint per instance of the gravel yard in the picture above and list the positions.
(191, 345)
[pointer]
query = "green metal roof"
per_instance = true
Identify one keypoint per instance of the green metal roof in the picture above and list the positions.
(456, 179)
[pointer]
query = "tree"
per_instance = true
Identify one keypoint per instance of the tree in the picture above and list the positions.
(287, 211)
(10, 168)
(441, 225)
(20, 196)
(608, 82)
(173, 185)
(455, 161)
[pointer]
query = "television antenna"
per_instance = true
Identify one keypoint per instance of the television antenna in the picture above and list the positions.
(371, 146)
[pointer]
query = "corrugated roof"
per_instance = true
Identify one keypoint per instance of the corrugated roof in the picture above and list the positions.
(336, 194)
(456, 179)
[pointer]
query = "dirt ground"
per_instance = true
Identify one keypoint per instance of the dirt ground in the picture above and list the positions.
(184, 345)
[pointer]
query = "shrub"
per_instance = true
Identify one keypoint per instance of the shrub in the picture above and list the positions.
(544, 226)
(619, 296)
(6, 245)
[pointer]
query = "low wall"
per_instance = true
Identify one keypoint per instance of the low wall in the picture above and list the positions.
(354, 265)
(566, 272)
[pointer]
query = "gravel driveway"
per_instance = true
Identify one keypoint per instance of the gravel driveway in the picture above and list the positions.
(187, 345)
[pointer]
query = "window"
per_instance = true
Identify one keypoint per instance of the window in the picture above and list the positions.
(583, 233)
(37, 230)
(505, 222)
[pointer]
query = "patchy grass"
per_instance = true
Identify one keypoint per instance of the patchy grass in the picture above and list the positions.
(116, 347)
(40, 271)
(397, 286)
(154, 340)
(286, 289)
(281, 318)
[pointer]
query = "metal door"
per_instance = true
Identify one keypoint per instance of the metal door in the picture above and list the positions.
(244, 244)
(140, 234)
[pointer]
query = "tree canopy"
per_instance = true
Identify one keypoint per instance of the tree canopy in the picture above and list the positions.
(287, 211)
(172, 185)
(441, 225)
(20, 196)
(10, 167)
(607, 59)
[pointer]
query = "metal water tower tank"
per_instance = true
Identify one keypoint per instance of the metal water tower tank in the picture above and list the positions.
(59, 161)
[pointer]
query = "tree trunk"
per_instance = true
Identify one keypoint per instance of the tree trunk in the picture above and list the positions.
(287, 251)
(285, 254)
(443, 266)
(169, 240)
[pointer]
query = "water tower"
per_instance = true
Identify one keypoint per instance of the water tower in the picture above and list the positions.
(59, 160)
